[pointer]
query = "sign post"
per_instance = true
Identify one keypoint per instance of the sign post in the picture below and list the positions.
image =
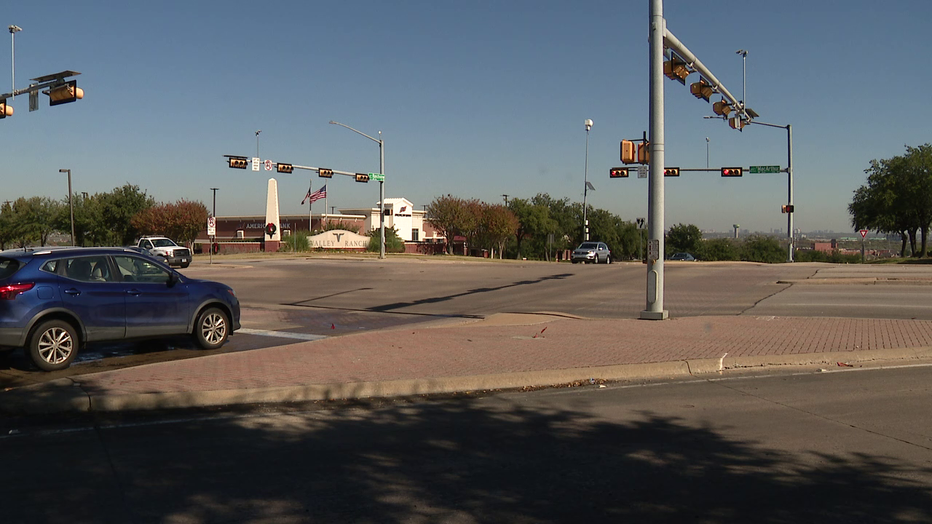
(863, 233)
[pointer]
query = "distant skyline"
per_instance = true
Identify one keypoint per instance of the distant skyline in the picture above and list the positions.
(476, 99)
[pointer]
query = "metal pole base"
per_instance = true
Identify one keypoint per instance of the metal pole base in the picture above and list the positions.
(655, 315)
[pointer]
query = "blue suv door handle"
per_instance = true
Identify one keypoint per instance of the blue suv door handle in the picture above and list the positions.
(73, 291)
(134, 292)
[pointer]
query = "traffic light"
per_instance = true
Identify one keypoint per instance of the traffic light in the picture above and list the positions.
(788, 208)
(671, 171)
(628, 152)
(239, 162)
(325, 173)
(721, 108)
(701, 89)
(63, 94)
(732, 171)
(675, 69)
(644, 153)
(736, 123)
(618, 172)
(285, 168)
(5, 109)
(362, 177)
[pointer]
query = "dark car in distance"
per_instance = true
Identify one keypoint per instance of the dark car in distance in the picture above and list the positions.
(686, 257)
(55, 301)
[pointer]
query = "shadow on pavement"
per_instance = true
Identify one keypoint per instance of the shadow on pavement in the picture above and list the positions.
(446, 461)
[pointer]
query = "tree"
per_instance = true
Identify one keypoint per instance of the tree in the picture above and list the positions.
(449, 215)
(760, 248)
(534, 223)
(181, 221)
(684, 238)
(719, 249)
(497, 225)
(393, 242)
(113, 224)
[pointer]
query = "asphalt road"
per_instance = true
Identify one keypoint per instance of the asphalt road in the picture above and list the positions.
(839, 447)
(285, 298)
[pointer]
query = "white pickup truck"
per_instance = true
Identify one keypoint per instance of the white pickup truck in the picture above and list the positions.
(166, 248)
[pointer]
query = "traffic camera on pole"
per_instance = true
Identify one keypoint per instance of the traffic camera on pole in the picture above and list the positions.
(618, 172)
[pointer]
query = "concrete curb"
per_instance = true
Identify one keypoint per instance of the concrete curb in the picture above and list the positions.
(66, 395)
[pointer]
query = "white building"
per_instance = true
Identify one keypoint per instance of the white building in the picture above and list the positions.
(409, 222)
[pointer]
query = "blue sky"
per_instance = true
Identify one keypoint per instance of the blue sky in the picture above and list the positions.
(476, 99)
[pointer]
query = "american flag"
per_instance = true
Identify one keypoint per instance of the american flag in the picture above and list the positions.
(315, 196)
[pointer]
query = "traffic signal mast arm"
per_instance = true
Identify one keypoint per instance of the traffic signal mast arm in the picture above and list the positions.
(671, 42)
(51, 81)
(232, 158)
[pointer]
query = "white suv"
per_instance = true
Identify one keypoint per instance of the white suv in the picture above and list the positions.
(594, 252)
(167, 249)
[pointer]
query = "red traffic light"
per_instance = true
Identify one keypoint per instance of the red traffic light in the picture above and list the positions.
(618, 172)
(732, 171)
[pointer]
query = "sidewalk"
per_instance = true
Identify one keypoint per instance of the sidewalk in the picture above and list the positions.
(503, 351)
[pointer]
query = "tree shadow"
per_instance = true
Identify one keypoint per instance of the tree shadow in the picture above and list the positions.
(458, 461)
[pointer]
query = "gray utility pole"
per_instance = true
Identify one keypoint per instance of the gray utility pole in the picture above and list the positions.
(585, 206)
(70, 202)
(655, 205)
(381, 184)
(660, 41)
(789, 183)
(13, 30)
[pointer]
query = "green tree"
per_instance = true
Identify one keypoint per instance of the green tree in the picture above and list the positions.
(450, 216)
(760, 248)
(116, 209)
(719, 249)
(181, 221)
(393, 242)
(498, 224)
(684, 238)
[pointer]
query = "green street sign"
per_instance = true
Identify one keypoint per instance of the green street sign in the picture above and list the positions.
(378, 177)
(765, 169)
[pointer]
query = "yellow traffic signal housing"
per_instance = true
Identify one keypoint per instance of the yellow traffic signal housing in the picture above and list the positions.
(238, 162)
(788, 208)
(644, 153)
(325, 173)
(285, 168)
(618, 172)
(362, 177)
(736, 123)
(721, 108)
(671, 171)
(675, 69)
(63, 94)
(732, 171)
(5, 109)
(701, 89)
(628, 152)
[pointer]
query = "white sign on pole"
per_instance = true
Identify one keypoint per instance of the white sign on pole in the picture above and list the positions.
(255, 163)
(211, 226)
(642, 171)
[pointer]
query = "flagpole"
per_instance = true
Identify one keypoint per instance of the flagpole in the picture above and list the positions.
(310, 202)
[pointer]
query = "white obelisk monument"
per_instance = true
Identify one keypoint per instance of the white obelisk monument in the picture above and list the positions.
(273, 234)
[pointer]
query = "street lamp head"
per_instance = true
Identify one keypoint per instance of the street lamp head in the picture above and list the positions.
(742, 52)
(64, 170)
(588, 124)
(15, 29)
(334, 122)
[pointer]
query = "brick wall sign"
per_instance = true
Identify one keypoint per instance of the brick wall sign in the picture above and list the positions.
(338, 239)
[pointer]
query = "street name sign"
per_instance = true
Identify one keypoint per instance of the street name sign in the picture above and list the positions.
(764, 169)
(378, 177)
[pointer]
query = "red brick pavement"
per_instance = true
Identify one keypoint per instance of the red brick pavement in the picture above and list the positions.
(488, 348)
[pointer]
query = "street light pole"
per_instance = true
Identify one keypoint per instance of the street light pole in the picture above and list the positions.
(381, 184)
(13, 30)
(789, 184)
(744, 76)
(70, 202)
(585, 210)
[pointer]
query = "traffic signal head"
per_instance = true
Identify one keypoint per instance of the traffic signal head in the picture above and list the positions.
(787, 208)
(721, 108)
(628, 152)
(701, 89)
(736, 123)
(68, 92)
(362, 177)
(732, 171)
(644, 153)
(238, 162)
(5, 109)
(325, 173)
(618, 172)
(671, 171)
(285, 168)
(675, 69)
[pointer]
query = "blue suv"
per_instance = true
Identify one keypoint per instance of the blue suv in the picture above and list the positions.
(54, 301)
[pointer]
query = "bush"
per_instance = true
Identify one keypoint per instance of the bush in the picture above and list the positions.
(296, 242)
(393, 243)
(719, 249)
(760, 248)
